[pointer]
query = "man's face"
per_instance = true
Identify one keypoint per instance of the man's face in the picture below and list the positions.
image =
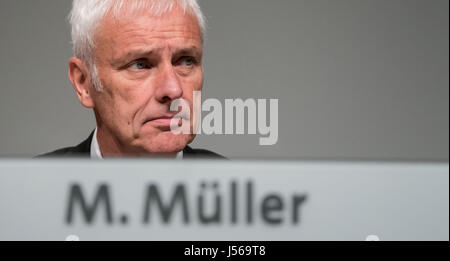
(144, 63)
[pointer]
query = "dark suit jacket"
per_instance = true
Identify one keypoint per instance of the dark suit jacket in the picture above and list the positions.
(83, 150)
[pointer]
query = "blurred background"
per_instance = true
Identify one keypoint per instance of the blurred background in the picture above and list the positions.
(355, 79)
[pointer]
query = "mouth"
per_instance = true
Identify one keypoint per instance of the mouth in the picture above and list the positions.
(164, 122)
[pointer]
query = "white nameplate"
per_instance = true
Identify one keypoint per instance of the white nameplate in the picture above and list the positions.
(208, 200)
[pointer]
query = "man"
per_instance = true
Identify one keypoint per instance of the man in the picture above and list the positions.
(132, 60)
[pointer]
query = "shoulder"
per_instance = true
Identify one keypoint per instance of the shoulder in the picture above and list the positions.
(84, 150)
(64, 152)
(190, 153)
(81, 150)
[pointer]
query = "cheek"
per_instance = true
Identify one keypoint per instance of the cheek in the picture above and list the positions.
(191, 85)
(121, 102)
(198, 83)
(193, 82)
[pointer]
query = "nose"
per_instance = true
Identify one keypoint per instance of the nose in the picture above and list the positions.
(168, 86)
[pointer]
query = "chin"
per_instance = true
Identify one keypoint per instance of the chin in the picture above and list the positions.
(167, 143)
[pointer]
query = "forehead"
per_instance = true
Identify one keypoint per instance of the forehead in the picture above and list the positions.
(129, 29)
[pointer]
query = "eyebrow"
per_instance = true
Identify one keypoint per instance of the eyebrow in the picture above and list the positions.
(193, 50)
(132, 55)
(140, 53)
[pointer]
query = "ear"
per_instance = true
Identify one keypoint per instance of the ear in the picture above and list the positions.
(81, 81)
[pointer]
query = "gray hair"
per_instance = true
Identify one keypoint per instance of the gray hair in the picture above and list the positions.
(86, 14)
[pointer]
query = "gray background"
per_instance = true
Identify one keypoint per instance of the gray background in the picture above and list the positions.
(359, 79)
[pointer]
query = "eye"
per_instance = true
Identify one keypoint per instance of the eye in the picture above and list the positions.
(140, 65)
(187, 61)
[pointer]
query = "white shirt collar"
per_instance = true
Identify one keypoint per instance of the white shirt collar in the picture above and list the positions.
(95, 148)
(97, 154)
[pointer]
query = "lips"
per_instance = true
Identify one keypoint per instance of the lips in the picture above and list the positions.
(164, 121)
(165, 118)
